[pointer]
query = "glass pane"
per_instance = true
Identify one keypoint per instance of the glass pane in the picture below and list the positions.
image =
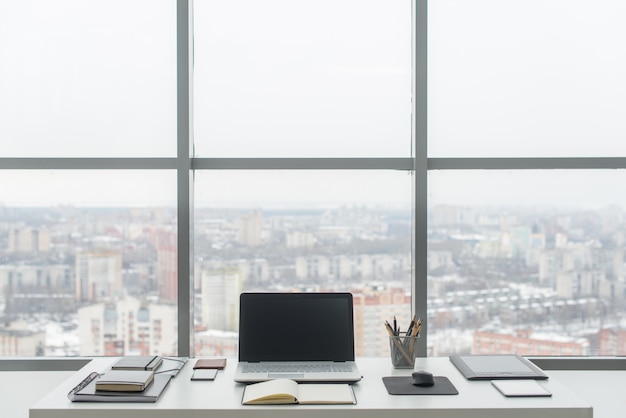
(88, 263)
(88, 78)
(302, 231)
(524, 79)
(283, 78)
(531, 262)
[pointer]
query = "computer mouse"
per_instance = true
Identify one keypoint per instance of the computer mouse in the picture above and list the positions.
(422, 378)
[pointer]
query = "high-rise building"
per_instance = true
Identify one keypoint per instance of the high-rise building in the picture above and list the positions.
(98, 275)
(250, 229)
(17, 341)
(299, 239)
(167, 262)
(220, 299)
(165, 242)
(372, 307)
(526, 343)
(362, 267)
(612, 341)
(28, 240)
(127, 327)
(255, 271)
(216, 343)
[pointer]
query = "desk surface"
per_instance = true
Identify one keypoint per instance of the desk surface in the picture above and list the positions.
(221, 398)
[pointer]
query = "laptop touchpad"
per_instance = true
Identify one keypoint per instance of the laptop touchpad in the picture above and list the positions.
(285, 375)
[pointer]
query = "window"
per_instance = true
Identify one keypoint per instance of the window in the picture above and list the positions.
(526, 260)
(88, 79)
(525, 79)
(316, 79)
(304, 230)
(84, 252)
(457, 160)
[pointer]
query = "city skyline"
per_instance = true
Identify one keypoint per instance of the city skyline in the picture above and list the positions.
(560, 274)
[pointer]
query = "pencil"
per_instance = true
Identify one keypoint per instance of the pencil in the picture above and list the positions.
(418, 327)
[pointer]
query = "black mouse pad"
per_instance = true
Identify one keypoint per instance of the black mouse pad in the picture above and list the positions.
(401, 385)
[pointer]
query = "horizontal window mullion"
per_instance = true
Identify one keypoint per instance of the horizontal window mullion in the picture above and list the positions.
(525, 163)
(579, 363)
(88, 163)
(315, 163)
(302, 163)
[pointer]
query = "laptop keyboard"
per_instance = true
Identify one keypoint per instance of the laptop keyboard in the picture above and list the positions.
(295, 368)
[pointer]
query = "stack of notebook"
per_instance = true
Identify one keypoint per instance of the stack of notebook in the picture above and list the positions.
(130, 379)
(125, 380)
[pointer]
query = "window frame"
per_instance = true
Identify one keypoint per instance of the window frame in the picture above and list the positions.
(418, 165)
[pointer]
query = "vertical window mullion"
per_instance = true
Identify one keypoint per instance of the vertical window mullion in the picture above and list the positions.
(420, 173)
(184, 175)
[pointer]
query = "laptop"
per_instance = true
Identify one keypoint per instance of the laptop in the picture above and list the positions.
(306, 337)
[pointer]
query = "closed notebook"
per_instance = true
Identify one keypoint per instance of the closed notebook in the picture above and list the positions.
(138, 363)
(86, 391)
(210, 363)
(287, 391)
(125, 380)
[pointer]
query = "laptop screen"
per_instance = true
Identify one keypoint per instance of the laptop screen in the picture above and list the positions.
(296, 327)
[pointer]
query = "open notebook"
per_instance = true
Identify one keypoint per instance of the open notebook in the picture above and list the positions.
(306, 337)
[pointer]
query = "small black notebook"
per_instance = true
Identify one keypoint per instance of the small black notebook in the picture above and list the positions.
(496, 366)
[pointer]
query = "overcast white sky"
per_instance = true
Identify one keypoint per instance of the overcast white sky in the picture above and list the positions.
(326, 78)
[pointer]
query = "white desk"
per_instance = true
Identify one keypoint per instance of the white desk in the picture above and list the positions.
(222, 398)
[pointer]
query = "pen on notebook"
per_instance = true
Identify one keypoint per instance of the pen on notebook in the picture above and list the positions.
(82, 385)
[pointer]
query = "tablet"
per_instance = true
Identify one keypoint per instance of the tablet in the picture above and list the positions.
(496, 366)
(520, 388)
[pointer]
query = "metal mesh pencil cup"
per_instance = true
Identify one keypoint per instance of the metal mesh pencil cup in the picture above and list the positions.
(402, 350)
